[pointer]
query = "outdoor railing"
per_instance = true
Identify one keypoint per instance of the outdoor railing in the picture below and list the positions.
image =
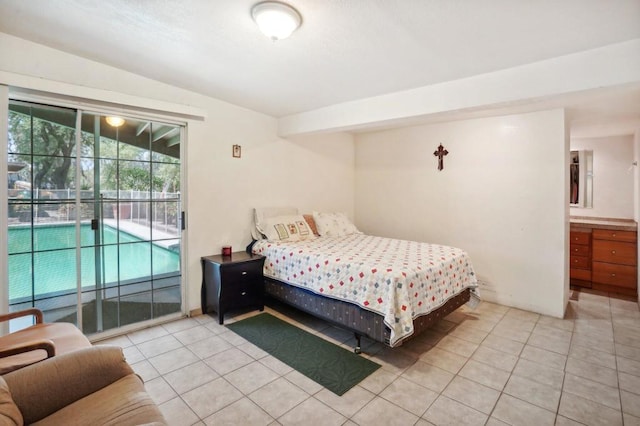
(159, 210)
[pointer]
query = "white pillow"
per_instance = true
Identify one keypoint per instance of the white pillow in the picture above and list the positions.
(286, 228)
(334, 224)
(261, 214)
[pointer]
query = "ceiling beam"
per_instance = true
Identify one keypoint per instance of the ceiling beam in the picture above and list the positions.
(610, 66)
(163, 132)
(173, 141)
(142, 127)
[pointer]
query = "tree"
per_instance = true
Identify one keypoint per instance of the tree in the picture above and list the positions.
(46, 140)
(47, 147)
(52, 170)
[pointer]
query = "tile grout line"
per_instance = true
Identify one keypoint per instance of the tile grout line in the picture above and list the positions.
(415, 354)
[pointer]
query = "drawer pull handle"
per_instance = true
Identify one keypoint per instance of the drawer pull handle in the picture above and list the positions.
(244, 273)
(613, 235)
(613, 275)
(243, 293)
(613, 252)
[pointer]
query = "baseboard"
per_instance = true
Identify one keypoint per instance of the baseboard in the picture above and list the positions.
(195, 312)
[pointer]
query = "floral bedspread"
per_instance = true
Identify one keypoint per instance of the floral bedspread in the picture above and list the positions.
(398, 279)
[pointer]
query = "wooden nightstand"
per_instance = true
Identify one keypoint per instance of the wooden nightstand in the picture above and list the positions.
(232, 282)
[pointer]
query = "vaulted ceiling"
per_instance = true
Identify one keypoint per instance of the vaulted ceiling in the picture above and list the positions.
(345, 50)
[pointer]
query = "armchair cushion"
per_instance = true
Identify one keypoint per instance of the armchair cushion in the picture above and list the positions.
(42, 389)
(9, 413)
(124, 402)
(65, 337)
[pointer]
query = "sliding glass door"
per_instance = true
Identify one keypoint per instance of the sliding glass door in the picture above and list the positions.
(94, 216)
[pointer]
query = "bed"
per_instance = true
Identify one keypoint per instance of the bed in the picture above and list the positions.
(385, 289)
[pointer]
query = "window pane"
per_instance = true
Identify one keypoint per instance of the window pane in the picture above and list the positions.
(135, 261)
(54, 272)
(20, 272)
(54, 237)
(166, 180)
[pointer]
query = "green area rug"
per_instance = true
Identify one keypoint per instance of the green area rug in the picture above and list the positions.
(335, 368)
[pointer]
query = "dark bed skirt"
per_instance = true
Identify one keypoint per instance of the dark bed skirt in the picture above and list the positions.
(352, 317)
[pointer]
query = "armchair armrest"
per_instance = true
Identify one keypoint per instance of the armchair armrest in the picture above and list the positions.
(33, 345)
(44, 388)
(26, 312)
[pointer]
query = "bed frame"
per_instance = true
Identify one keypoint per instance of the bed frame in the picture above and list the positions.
(360, 321)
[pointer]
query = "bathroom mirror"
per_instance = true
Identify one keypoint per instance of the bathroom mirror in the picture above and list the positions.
(581, 179)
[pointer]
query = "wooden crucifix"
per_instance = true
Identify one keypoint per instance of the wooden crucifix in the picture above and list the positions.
(440, 153)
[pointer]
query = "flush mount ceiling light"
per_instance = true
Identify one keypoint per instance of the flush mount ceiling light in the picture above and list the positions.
(115, 121)
(276, 20)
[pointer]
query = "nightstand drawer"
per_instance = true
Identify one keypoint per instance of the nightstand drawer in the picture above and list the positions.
(241, 272)
(243, 294)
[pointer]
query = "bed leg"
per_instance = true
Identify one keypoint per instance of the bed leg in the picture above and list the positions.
(357, 349)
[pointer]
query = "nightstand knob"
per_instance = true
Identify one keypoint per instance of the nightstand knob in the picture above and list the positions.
(613, 275)
(613, 235)
(243, 293)
(244, 273)
(613, 252)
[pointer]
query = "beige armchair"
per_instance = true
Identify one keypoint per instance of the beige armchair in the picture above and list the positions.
(92, 386)
(37, 342)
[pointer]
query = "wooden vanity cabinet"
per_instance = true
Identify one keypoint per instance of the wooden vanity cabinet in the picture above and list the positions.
(615, 261)
(580, 257)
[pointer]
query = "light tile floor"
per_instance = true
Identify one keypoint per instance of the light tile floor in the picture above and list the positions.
(495, 365)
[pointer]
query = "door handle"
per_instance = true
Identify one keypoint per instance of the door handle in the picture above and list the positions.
(94, 224)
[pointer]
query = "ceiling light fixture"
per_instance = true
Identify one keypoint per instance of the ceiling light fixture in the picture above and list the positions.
(275, 19)
(115, 121)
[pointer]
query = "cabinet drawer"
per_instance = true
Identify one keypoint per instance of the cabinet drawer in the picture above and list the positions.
(580, 262)
(611, 235)
(579, 250)
(241, 272)
(243, 294)
(582, 238)
(615, 252)
(618, 275)
(580, 274)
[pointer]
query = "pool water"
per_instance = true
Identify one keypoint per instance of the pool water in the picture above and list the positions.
(53, 261)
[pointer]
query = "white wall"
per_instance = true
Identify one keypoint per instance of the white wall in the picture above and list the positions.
(636, 176)
(312, 172)
(501, 197)
(613, 176)
(636, 185)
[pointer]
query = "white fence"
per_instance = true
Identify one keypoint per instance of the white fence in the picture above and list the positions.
(160, 210)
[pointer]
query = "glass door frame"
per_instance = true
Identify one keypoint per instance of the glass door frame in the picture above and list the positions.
(4, 207)
(98, 110)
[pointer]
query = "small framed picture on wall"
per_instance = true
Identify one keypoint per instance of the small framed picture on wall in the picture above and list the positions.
(237, 151)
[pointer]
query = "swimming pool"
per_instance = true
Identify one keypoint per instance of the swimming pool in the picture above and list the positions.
(50, 258)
